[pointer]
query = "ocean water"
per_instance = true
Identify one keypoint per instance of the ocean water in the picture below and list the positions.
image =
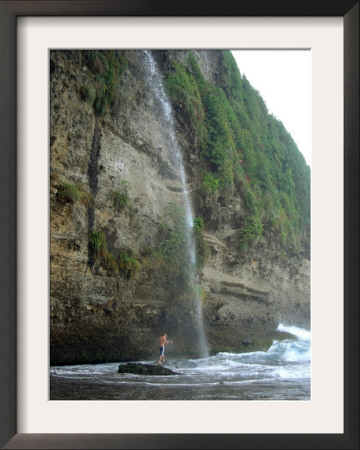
(281, 373)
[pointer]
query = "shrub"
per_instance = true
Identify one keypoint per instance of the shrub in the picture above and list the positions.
(120, 200)
(210, 183)
(98, 244)
(288, 236)
(88, 94)
(68, 193)
(250, 201)
(121, 197)
(252, 229)
(127, 264)
(99, 106)
(148, 251)
(239, 174)
(243, 246)
(184, 92)
(107, 67)
(109, 263)
(71, 193)
(174, 242)
(198, 224)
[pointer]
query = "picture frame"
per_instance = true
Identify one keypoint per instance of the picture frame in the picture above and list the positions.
(9, 11)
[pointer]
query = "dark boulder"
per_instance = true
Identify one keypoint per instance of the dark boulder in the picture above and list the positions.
(145, 369)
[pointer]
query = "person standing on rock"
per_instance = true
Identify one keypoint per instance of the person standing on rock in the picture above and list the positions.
(162, 341)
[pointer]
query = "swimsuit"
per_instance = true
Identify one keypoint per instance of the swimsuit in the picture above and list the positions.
(161, 350)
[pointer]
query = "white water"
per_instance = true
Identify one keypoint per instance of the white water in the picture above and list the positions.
(281, 373)
(156, 87)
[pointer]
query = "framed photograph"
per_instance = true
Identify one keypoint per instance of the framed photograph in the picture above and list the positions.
(38, 410)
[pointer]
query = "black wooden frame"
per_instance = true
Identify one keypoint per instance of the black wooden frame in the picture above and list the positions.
(9, 11)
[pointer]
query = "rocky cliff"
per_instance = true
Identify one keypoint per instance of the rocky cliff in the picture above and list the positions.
(113, 182)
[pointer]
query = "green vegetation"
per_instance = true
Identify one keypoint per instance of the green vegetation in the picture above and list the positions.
(184, 92)
(174, 244)
(251, 230)
(128, 265)
(201, 247)
(198, 224)
(109, 263)
(245, 150)
(210, 183)
(88, 93)
(107, 67)
(125, 263)
(120, 197)
(68, 193)
(98, 244)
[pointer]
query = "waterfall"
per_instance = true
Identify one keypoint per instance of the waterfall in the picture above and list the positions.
(156, 87)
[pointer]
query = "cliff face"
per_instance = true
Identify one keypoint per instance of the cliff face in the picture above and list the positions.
(113, 174)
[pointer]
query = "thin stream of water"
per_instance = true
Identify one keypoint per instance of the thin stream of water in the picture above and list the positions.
(155, 85)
